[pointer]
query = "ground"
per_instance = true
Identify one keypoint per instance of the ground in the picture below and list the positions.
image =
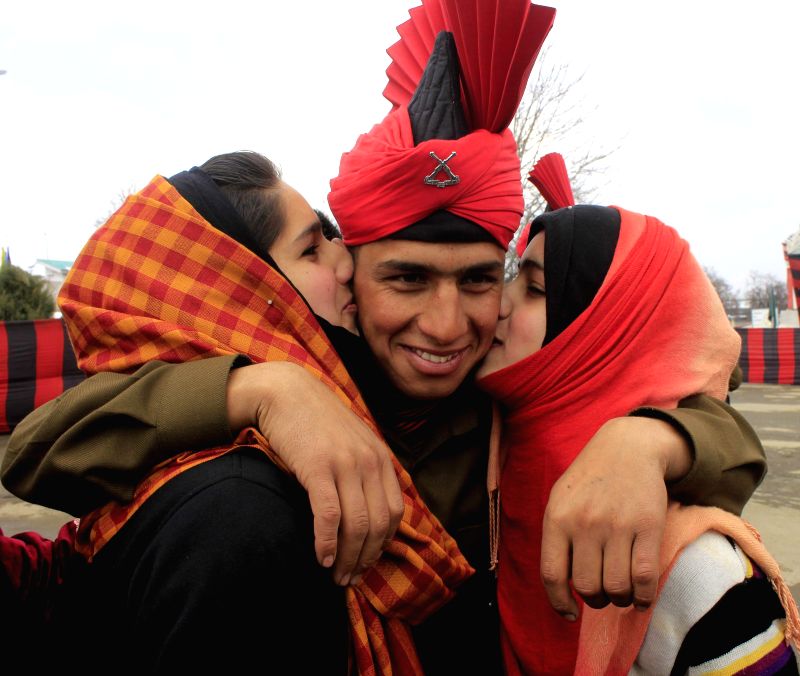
(773, 410)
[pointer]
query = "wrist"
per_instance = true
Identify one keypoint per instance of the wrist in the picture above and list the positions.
(252, 390)
(662, 444)
(673, 449)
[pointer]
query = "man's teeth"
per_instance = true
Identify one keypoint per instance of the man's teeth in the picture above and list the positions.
(435, 358)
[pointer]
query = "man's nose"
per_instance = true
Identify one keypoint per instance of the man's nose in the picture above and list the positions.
(443, 318)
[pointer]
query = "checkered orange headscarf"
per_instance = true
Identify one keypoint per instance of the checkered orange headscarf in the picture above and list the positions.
(157, 281)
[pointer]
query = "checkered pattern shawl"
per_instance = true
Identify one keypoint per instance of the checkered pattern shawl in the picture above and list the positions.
(157, 281)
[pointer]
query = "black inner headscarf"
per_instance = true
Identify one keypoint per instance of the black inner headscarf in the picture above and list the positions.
(200, 190)
(579, 246)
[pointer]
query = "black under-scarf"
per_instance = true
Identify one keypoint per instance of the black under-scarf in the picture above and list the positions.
(202, 192)
(579, 246)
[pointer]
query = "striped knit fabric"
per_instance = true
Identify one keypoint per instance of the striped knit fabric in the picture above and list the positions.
(159, 282)
(765, 653)
(714, 596)
(611, 638)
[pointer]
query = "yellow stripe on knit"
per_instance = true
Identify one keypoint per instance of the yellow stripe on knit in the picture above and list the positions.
(761, 645)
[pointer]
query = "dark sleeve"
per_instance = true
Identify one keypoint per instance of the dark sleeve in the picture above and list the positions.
(95, 442)
(217, 573)
(729, 461)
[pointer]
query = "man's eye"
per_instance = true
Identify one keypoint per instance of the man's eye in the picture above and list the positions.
(480, 280)
(409, 278)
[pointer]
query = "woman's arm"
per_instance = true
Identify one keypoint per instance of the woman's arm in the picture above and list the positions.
(728, 461)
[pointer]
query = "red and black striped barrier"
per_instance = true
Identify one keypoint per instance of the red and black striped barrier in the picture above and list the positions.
(770, 356)
(793, 277)
(36, 365)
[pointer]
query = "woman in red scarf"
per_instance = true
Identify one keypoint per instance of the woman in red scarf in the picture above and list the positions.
(610, 312)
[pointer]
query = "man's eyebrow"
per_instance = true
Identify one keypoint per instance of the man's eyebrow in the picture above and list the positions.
(424, 268)
(316, 226)
(486, 268)
(404, 266)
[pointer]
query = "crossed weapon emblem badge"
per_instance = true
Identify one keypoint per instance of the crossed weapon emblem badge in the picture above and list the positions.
(430, 179)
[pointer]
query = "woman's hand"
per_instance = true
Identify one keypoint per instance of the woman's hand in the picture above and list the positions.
(605, 517)
(346, 469)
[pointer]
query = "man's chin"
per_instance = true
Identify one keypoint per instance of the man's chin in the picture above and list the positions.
(430, 388)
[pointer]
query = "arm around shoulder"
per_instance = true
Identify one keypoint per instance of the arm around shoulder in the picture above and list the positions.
(729, 461)
(97, 441)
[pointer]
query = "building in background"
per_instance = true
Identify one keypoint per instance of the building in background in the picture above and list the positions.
(53, 272)
(791, 252)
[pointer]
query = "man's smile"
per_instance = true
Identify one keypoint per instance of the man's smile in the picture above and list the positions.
(439, 362)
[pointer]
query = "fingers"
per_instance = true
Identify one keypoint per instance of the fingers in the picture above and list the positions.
(385, 507)
(587, 571)
(645, 565)
(394, 496)
(616, 558)
(324, 499)
(555, 566)
(354, 517)
(354, 526)
(346, 469)
(378, 519)
(619, 567)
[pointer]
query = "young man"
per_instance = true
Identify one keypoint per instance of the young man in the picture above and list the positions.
(427, 281)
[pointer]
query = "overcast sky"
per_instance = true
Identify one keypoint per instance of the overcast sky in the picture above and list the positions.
(701, 98)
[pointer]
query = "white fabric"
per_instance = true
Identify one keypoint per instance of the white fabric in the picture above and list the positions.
(705, 570)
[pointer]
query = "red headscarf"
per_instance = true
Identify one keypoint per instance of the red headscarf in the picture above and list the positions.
(654, 333)
(381, 187)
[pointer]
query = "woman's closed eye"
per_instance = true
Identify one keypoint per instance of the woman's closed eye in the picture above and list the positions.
(535, 289)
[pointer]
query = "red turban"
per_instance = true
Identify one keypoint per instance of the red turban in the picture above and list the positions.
(381, 185)
(390, 180)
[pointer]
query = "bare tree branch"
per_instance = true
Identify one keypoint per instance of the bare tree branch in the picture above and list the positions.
(551, 118)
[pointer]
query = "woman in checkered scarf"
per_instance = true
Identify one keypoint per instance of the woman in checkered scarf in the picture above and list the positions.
(228, 259)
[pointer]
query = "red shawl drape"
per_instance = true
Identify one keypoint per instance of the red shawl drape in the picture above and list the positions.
(655, 333)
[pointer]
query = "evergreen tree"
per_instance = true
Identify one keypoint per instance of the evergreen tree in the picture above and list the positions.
(23, 295)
